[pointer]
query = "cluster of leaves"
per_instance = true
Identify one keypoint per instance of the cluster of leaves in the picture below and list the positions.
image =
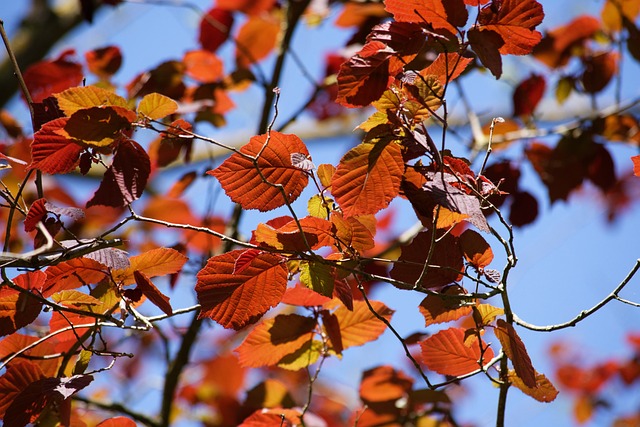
(317, 267)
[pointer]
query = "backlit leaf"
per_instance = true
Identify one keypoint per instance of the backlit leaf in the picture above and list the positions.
(383, 384)
(475, 249)
(447, 66)
(237, 300)
(242, 180)
(125, 180)
(72, 274)
(117, 422)
(152, 293)
(75, 299)
(317, 233)
(486, 313)
(78, 98)
(368, 178)
(614, 12)
(527, 95)
(256, 39)
(249, 7)
(156, 262)
(48, 77)
(53, 153)
(319, 206)
(361, 326)
(215, 28)
(352, 233)
(156, 106)
(599, 70)
(325, 174)
(303, 296)
(104, 62)
(636, 165)
(99, 126)
(318, 277)
(203, 66)
(303, 357)
(544, 391)
(440, 14)
(17, 377)
(37, 212)
(516, 351)
(437, 309)
(274, 339)
(446, 353)
(514, 22)
(17, 310)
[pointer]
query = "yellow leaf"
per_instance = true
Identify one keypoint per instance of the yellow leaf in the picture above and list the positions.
(156, 106)
(78, 98)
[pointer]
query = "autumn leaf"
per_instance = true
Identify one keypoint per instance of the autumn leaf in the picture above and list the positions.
(104, 62)
(274, 339)
(244, 181)
(544, 391)
(440, 309)
(446, 353)
(17, 377)
(256, 39)
(516, 351)
(514, 22)
(438, 14)
(237, 300)
(72, 274)
(318, 276)
(117, 422)
(51, 152)
(527, 95)
(203, 66)
(99, 126)
(215, 28)
(73, 298)
(316, 233)
(156, 106)
(487, 44)
(361, 326)
(125, 180)
(304, 297)
(152, 293)
(475, 249)
(156, 262)
(17, 310)
(353, 232)
(368, 177)
(79, 98)
(48, 77)
(636, 165)
(383, 384)
(447, 66)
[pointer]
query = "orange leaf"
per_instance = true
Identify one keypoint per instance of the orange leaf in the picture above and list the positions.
(440, 14)
(237, 300)
(274, 339)
(384, 384)
(514, 21)
(272, 418)
(361, 326)
(352, 232)
(249, 7)
(544, 391)
(486, 313)
(614, 12)
(16, 310)
(317, 233)
(303, 296)
(475, 249)
(368, 178)
(447, 66)
(446, 353)
(156, 262)
(256, 39)
(636, 165)
(242, 180)
(203, 66)
(104, 62)
(17, 377)
(72, 274)
(437, 309)
(117, 422)
(152, 293)
(516, 351)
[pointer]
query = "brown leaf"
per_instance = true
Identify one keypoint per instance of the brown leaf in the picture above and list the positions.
(152, 292)
(516, 351)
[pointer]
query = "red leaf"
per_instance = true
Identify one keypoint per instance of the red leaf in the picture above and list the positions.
(17, 310)
(446, 353)
(17, 377)
(475, 249)
(152, 292)
(544, 391)
(365, 76)
(32, 280)
(244, 260)
(445, 264)
(215, 27)
(104, 62)
(599, 70)
(274, 339)
(331, 326)
(52, 153)
(32, 400)
(527, 95)
(117, 422)
(368, 178)
(237, 300)
(558, 45)
(514, 22)
(487, 44)
(242, 180)
(447, 66)
(47, 77)
(72, 274)
(516, 351)
(275, 417)
(125, 179)
(37, 212)
(439, 14)
(303, 296)
(524, 209)
(249, 7)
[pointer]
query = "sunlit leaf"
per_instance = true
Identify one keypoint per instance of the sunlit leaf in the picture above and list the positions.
(303, 296)
(361, 326)
(446, 353)
(274, 339)
(514, 22)
(237, 300)
(203, 66)
(437, 309)
(303, 357)
(475, 249)
(318, 277)
(99, 126)
(544, 391)
(105, 61)
(17, 377)
(368, 178)
(156, 262)
(156, 106)
(256, 39)
(152, 293)
(244, 182)
(440, 14)
(117, 422)
(215, 28)
(516, 351)
(528, 94)
(384, 383)
(75, 299)
(486, 313)
(78, 98)
(52, 153)
(73, 274)
(17, 310)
